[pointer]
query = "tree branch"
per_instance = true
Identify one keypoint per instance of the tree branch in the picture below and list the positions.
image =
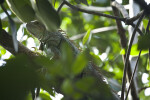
(124, 43)
(131, 80)
(121, 30)
(93, 12)
(94, 31)
(127, 56)
(125, 14)
(61, 5)
(143, 88)
(7, 42)
(99, 9)
(127, 21)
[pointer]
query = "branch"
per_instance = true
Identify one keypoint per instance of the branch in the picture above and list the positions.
(148, 32)
(125, 14)
(54, 3)
(143, 88)
(61, 5)
(93, 12)
(121, 30)
(94, 31)
(99, 9)
(116, 6)
(127, 56)
(128, 21)
(131, 80)
(138, 30)
(120, 8)
(7, 42)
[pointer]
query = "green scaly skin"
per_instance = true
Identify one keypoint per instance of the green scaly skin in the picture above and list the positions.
(51, 39)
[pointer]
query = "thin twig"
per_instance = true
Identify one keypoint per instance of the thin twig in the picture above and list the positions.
(141, 89)
(125, 14)
(127, 56)
(120, 30)
(99, 9)
(54, 3)
(61, 5)
(134, 18)
(94, 31)
(120, 8)
(138, 30)
(93, 12)
(147, 30)
(125, 20)
(116, 6)
(131, 80)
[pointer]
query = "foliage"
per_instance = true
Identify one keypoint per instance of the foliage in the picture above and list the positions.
(87, 37)
(22, 74)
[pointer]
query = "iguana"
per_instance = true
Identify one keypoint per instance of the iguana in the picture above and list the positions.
(53, 41)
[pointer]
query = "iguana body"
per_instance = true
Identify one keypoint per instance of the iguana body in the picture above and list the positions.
(51, 39)
(54, 40)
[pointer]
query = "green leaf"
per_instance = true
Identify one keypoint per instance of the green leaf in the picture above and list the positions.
(87, 37)
(22, 9)
(145, 21)
(148, 65)
(43, 61)
(96, 59)
(79, 64)
(135, 51)
(44, 96)
(0, 26)
(83, 86)
(144, 42)
(67, 87)
(67, 59)
(46, 13)
(29, 97)
(3, 51)
(20, 73)
(123, 52)
(67, 53)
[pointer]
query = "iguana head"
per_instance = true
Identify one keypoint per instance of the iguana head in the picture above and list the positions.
(36, 28)
(39, 31)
